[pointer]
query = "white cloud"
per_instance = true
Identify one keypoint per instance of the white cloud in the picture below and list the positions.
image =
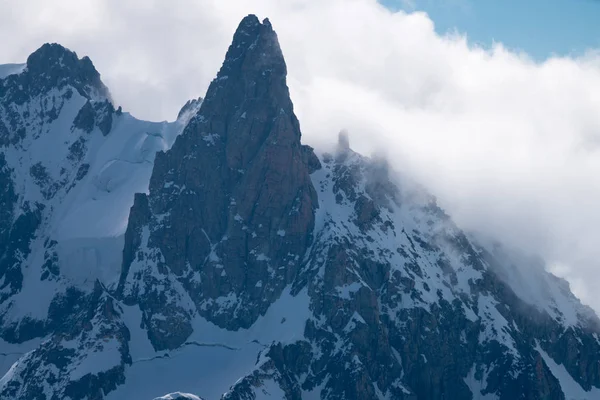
(511, 147)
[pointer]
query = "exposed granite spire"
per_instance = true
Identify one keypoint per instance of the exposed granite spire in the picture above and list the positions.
(231, 205)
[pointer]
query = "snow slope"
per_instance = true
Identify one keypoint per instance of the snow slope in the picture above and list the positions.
(570, 388)
(212, 359)
(85, 181)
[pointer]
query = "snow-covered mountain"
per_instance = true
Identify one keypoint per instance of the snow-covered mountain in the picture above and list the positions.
(218, 257)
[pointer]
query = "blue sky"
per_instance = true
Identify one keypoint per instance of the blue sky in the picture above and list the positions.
(541, 28)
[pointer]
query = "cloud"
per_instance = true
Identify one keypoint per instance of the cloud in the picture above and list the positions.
(511, 147)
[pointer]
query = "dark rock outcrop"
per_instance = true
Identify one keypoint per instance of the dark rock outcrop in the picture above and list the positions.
(381, 330)
(231, 203)
(30, 101)
(84, 358)
(51, 76)
(52, 67)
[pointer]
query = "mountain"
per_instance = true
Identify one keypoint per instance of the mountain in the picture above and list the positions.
(219, 257)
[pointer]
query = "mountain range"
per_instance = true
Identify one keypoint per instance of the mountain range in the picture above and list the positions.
(219, 257)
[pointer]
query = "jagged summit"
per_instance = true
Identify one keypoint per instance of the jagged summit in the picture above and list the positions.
(57, 65)
(52, 78)
(229, 203)
(53, 66)
(255, 46)
(51, 56)
(254, 68)
(190, 108)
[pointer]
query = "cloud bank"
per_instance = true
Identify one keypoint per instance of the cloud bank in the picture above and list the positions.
(510, 147)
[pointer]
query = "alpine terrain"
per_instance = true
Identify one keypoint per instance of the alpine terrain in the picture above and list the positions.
(219, 257)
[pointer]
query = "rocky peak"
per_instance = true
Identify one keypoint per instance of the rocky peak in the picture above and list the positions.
(53, 66)
(253, 75)
(66, 157)
(255, 47)
(32, 98)
(230, 211)
(189, 109)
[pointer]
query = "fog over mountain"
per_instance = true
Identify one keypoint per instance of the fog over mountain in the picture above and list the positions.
(350, 208)
(509, 146)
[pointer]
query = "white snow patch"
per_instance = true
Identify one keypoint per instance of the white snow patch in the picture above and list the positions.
(353, 322)
(210, 138)
(478, 386)
(178, 396)
(199, 366)
(315, 393)
(139, 344)
(262, 257)
(120, 166)
(570, 388)
(95, 362)
(89, 219)
(496, 327)
(347, 291)
(269, 390)
(83, 260)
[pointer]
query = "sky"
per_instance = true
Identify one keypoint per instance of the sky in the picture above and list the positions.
(540, 28)
(507, 136)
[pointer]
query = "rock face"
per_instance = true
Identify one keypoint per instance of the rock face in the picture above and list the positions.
(32, 102)
(425, 318)
(231, 206)
(249, 267)
(69, 167)
(38, 165)
(68, 365)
